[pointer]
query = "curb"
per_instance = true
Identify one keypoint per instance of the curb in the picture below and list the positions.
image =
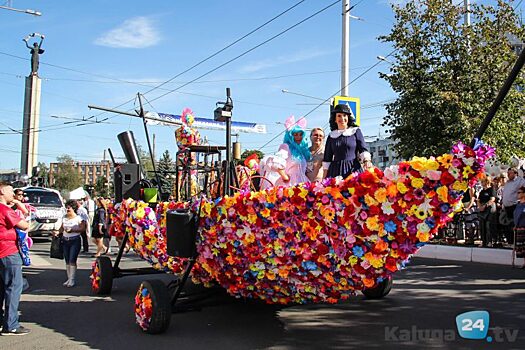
(470, 254)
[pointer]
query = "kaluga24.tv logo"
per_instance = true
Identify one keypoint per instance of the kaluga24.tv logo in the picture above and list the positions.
(475, 325)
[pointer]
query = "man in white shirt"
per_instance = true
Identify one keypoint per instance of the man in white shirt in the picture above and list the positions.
(509, 199)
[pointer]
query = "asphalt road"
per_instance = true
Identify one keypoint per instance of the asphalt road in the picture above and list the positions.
(419, 313)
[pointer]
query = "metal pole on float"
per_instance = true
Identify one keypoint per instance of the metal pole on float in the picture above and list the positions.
(142, 115)
(501, 96)
(345, 47)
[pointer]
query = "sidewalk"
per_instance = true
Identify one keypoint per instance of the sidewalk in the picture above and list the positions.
(473, 254)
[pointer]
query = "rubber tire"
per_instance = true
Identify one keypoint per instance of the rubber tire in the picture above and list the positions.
(106, 275)
(380, 291)
(161, 304)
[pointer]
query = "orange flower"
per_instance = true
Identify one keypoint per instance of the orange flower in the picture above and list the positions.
(368, 282)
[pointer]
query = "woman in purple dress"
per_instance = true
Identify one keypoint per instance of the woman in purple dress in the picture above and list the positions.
(345, 148)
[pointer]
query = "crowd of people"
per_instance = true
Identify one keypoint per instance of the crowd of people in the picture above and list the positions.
(491, 212)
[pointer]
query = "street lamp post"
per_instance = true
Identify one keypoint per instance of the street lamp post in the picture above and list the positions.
(28, 11)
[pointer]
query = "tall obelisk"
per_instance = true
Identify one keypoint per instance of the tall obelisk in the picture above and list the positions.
(31, 110)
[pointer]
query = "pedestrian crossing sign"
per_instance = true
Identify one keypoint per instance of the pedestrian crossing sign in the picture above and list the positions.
(353, 102)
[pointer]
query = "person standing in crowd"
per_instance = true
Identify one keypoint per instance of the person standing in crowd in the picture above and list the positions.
(18, 204)
(288, 166)
(72, 227)
(315, 164)
(10, 264)
(89, 205)
(345, 146)
(83, 213)
(470, 215)
(99, 231)
(519, 221)
(487, 210)
(510, 198)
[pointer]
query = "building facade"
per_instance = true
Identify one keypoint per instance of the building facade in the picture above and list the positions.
(89, 171)
(383, 153)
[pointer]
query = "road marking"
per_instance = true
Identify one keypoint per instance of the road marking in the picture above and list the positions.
(38, 261)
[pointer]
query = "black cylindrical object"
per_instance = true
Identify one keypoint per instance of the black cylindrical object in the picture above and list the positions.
(127, 142)
(181, 233)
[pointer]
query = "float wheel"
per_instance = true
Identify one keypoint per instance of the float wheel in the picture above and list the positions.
(102, 276)
(381, 290)
(153, 307)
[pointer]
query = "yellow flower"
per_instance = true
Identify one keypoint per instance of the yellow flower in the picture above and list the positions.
(380, 195)
(467, 171)
(417, 163)
(370, 201)
(417, 182)
(372, 223)
(443, 193)
(374, 260)
(445, 160)
(423, 236)
(401, 187)
(460, 186)
(421, 214)
(353, 260)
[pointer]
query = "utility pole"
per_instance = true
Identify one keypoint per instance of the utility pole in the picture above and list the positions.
(467, 12)
(345, 48)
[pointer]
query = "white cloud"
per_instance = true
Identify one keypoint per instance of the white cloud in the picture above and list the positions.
(135, 33)
(280, 60)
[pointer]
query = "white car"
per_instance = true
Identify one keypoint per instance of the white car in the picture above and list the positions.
(49, 210)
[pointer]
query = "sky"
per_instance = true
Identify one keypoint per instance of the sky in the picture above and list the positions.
(105, 52)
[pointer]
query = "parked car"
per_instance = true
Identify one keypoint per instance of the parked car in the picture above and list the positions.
(49, 210)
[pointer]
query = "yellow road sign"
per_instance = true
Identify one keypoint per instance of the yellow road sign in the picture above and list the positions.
(353, 102)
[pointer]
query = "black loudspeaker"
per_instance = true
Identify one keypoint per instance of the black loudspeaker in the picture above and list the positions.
(181, 233)
(127, 182)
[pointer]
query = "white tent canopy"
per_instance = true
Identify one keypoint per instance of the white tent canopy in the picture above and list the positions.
(78, 193)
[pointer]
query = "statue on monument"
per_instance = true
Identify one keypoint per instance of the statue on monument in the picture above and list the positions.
(36, 50)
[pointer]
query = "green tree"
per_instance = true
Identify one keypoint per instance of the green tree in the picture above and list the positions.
(249, 152)
(67, 178)
(42, 175)
(166, 170)
(145, 161)
(447, 74)
(101, 187)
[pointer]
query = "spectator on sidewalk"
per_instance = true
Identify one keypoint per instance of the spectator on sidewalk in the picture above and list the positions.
(72, 227)
(10, 264)
(99, 229)
(487, 211)
(83, 213)
(510, 198)
(89, 204)
(519, 220)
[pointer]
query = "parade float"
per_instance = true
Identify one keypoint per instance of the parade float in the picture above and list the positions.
(313, 242)
(309, 243)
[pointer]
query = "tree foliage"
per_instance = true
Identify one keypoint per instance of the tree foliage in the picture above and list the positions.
(447, 74)
(67, 178)
(166, 170)
(102, 189)
(249, 152)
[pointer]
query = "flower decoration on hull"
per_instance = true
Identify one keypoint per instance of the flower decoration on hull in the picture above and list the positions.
(319, 241)
(143, 307)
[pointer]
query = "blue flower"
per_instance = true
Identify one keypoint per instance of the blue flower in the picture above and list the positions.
(145, 292)
(358, 251)
(309, 265)
(390, 226)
